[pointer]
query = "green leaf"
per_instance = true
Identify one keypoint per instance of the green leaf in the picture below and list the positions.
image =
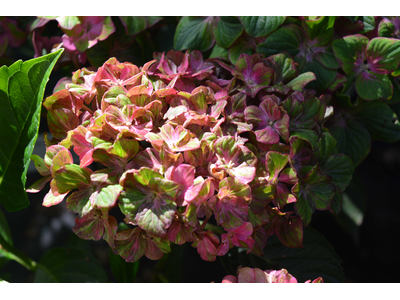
(283, 66)
(301, 81)
(275, 162)
(326, 57)
(386, 29)
(241, 45)
(317, 258)
(369, 24)
(326, 146)
(227, 30)
(194, 33)
(219, 52)
(22, 87)
(321, 29)
(133, 25)
(123, 271)
(325, 77)
(396, 90)
(257, 26)
(63, 265)
(340, 168)
(71, 177)
(384, 53)
(315, 191)
(353, 139)
(348, 49)
(287, 38)
(379, 119)
(371, 86)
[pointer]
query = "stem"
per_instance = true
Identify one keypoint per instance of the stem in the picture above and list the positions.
(214, 229)
(87, 109)
(205, 222)
(17, 255)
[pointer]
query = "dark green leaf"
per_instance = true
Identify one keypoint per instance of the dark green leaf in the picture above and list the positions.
(315, 191)
(340, 168)
(396, 90)
(371, 86)
(326, 57)
(22, 87)
(63, 265)
(380, 121)
(321, 29)
(369, 24)
(301, 81)
(317, 258)
(386, 29)
(241, 45)
(348, 49)
(283, 65)
(258, 26)
(384, 54)
(133, 25)
(325, 76)
(194, 33)
(353, 139)
(220, 53)
(287, 38)
(227, 30)
(123, 271)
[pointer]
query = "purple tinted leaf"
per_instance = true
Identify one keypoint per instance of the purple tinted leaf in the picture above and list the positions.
(350, 52)
(231, 208)
(40, 165)
(180, 231)
(383, 55)
(249, 275)
(275, 162)
(130, 244)
(179, 139)
(38, 185)
(315, 191)
(253, 72)
(371, 86)
(207, 244)
(301, 81)
(61, 121)
(184, 176)
(50, 199)
(290, 231)
(70, 177)
(269, 121)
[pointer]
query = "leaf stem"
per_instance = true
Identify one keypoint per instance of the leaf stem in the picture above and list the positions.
(17, 255)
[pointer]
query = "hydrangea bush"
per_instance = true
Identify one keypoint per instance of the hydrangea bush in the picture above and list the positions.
(175, 144)
(230, 146)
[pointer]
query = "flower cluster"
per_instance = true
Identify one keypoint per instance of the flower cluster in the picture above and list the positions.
(181, 142)
(250, 275)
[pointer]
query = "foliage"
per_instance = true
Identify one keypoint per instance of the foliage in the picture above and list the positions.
(231, 150)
